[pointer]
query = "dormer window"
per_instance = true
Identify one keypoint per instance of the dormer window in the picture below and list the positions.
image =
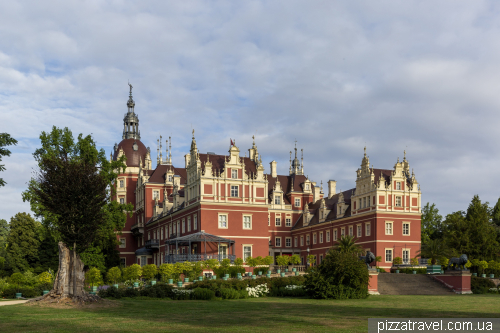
(234, 174)
(398, 185)
(170, 178)
(277, 200)
(307, 187)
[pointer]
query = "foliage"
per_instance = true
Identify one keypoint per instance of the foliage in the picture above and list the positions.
(378, 259)
(166, 271)
(114, 274)
(203, 294)
(71, 192)
(258, 291)
(232, 271)
(228, 293)
(17, 279)
(295, 259)
(4, 233)
(289, 291)
(482, 265)
(311, 259)
(149, 271)
(434, 249)
(28, 292)
(159, 290)
(267, 260)
(282, 260)
(472, 232)
(93, 257)
(211, 264)
(347, 244)
(414, 262)
(432, 225)
(45, 280)
(341, 275)
(495, 213)
(481, 285)
(132, 272)
(252, 262)
(93, 276)
(22, 248)
(30, 279)
(238, 262)
(397, 261)
(5, 140)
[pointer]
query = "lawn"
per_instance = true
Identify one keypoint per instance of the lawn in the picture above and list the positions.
(249, 315)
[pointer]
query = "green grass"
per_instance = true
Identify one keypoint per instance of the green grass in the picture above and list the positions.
(250, 315)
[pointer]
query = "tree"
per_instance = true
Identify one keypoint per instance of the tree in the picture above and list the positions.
(295, 259)
(341, 275)
(472, 233)
(282, 260)
(495, 213)
(71, 193)
(132, 272)
(347, 244)
(114, 274)
(5, 140)
(431, 223)
(4, 233)
(434, 249)
(22, 243)
(93, 276)
(149, 271)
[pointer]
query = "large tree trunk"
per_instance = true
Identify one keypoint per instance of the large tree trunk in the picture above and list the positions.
(69, 280)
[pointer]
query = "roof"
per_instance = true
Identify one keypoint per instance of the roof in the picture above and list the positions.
(133, 156)
(158, 175)
(384, 173)
(218, 162)
(143, 251)
(199, 237)
(286, 184)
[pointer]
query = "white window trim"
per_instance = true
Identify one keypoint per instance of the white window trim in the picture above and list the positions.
(227, 220)
(189, 224)
(276, 241)
(398, 186)
(385, 254)
(359, 227)
(195, 222)
(295, 241)
(233, 172)
(327, 236)
(277, 197)
(321, 237)
(315, 238)
(342, 232)
(351, 230)
(288, 218)
(368, 232)
(409, 228)
(243, 221)
(392, 227)
(295, 202)
(237, 188)
(276, 221)
(243, 250)
(335, 235)
(409, 255)
(124, 244)
(396, 201)
(288, 238)
(301, 240)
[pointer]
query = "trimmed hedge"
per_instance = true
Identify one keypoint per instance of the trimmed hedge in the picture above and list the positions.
(28, 292)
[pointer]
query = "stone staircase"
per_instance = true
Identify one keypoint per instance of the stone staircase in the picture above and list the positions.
(410, 284)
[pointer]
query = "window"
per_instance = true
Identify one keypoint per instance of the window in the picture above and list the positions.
(295, 242)
(388, 255)
(368, 201)
(388, 228)
(189, 223)
(288, 222)
(367, 229)
(154, 234)
(234, 191)
(277, 199)
(360, 202)
(297, 202)
(161, 234)
(122, 183)
(143, 261)
(247, 222)
(342, 232)
(223, 251)
(308, 242)
(398, 185)
(328, 236)
(123, 243)
(321, 215)
(301, 240)
(183, 226)
(278, 222)
(234, 174)
(288, 241)
(335, 234)
(222, 221)
(307, 187)
(268, 221)
(123, 262)
(359, 233)
(364, 202)
(277, 241)
(156, 194)
(247, 252)
(195, 222)
(122, 201)
(406, 228)
(321, 237)
(170, 178)
(314, 238)
(149, 235)
(350, 231)
(398, 201)
(406, 257)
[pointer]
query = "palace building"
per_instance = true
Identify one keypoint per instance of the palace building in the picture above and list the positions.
(228, 206)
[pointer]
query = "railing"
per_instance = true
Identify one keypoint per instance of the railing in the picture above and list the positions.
(137, 225)
(173, 236)
(300, 268)
(173, 258)
(152, 243)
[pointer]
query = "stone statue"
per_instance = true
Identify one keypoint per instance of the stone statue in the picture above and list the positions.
(457, 262)
(368, 258)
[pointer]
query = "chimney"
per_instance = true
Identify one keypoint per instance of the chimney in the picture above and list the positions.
(273, 164)
(316, 192)
(332, 188)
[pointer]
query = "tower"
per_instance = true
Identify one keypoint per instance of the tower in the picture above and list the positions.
(131, 120)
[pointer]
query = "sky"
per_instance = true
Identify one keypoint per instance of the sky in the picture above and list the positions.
(336, 76)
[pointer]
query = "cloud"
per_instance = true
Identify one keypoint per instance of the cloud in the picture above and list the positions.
(335, 76)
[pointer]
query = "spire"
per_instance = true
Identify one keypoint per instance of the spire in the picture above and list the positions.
(161, 153)
(131, 120)
(295, 167)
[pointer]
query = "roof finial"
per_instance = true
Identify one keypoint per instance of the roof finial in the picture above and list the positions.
(130, 89)
(404, 158)
(193, 133)
(365, 151)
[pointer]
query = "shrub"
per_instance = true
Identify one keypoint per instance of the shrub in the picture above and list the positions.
(340, 276)
(132, 272)
(397, 261)
(203, 294)
(256, 270)
(282, 260)
(181, 294)
(481, 285)
(114, 274)
(157, 291)
(45, 281)
(17, 279)
(110, 292)
(289, 291)
(93, 276)
(228, 293)
(295, 259)
(167, 271)
(28, 292)
(149, 272)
